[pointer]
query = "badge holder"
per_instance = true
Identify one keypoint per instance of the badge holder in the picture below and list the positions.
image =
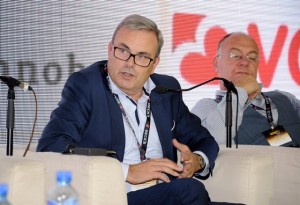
(277, 136)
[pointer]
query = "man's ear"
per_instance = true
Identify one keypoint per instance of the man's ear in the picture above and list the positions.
(215, 64)
(109, 47)
(155, 63)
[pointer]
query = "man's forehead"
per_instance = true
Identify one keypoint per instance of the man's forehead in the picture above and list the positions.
(136, 41)
(240, 42)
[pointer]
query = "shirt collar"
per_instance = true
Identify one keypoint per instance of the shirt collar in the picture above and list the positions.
(148, 87)
(258, 101)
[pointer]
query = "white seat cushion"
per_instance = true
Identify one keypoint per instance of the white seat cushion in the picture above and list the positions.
(25, 179)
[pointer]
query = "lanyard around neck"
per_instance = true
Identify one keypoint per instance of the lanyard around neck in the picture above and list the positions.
(142, 148)
(268, 110)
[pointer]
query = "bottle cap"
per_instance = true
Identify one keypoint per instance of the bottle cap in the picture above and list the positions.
(64, 176)
(3, 189)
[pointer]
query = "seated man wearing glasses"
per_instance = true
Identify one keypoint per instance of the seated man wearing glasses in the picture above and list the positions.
(264, 118)
(111, 105)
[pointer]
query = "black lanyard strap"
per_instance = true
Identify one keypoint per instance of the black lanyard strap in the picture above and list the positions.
(142, 148)
(268, 110)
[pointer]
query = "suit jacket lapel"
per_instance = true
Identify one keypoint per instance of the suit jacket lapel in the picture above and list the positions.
(115, 125)
(162, 122)
(117, 130)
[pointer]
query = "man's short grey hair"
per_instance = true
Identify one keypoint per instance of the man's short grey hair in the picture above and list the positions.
(138, 22)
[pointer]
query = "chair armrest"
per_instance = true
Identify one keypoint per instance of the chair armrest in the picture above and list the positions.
(98, 179)
(242, 177)
(25, 179)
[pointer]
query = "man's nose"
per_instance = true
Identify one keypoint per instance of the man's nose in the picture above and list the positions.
(130, 60)
(244, 60)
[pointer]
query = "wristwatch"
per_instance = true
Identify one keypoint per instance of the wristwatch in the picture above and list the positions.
(202, 164)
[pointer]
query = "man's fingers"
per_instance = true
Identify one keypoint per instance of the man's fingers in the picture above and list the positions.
(185, 152)
(177, 144)
(155, 167)
(187, 171)
(168, 170)
(164, 165)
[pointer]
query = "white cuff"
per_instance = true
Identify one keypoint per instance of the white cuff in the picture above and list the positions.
(206, 169)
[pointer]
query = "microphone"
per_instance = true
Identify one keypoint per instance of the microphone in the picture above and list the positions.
(228, 112)
(229, 85)
(12, 82)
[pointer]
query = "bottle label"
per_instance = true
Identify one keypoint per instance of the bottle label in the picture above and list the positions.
(70, 201)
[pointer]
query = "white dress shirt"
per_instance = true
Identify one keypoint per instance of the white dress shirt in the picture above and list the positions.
(131, 153)
(212, 114)
(154, 149)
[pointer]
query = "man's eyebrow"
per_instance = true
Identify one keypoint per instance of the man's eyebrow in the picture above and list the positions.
(234, 49)
(239, 50)
(124, 45)
(138, 53)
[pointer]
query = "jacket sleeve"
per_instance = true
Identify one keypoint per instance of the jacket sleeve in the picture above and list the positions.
(69, 118)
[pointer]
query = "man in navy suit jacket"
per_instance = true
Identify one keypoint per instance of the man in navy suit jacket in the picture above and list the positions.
(110, 105)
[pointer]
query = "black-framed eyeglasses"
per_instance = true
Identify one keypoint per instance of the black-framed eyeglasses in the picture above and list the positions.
(236, 56)
(138, 59)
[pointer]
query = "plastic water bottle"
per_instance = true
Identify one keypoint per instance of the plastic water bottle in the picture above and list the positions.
(3, 194)
(63, 193)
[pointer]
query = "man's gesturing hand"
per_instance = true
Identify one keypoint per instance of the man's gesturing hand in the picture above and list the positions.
(152, 169)
(190, 161)
(249, 83)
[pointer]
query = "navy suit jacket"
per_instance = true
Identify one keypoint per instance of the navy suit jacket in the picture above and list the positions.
(89, 116)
